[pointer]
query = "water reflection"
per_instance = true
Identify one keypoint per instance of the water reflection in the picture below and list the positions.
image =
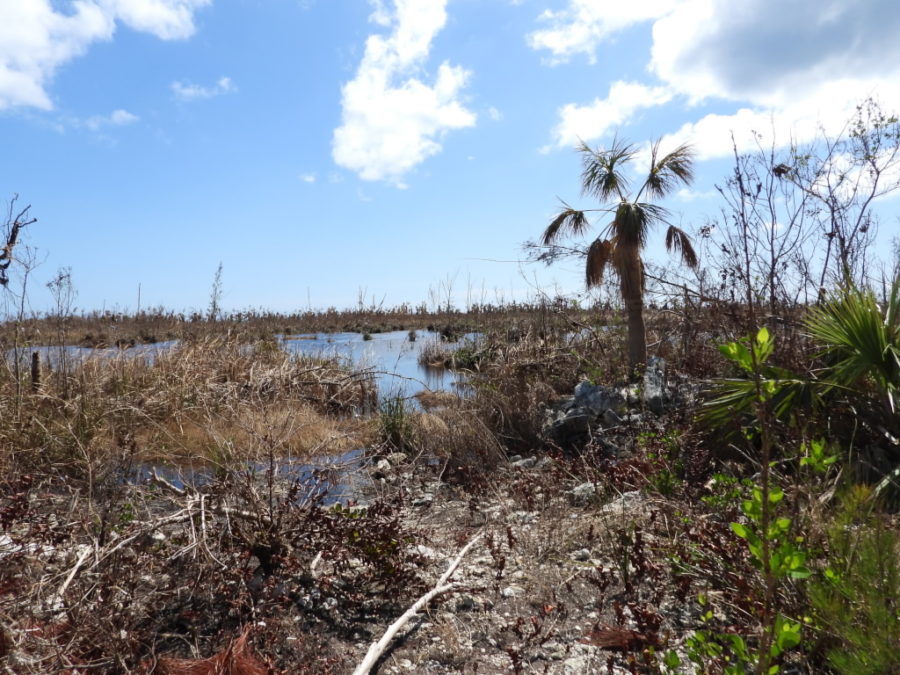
(392, 357)
(327, 480)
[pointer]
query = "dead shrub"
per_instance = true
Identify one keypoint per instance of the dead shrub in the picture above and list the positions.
(458, 441)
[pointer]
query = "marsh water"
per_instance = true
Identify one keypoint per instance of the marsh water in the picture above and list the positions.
(53, 356)
(330, 479)
(392, 357)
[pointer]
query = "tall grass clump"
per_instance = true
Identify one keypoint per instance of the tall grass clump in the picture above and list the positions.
(395, 424)
(435, 354)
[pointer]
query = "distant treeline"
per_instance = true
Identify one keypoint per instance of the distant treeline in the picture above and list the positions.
(107, 328)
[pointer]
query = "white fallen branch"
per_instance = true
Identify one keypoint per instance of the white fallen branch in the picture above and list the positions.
(81, 558)
(378, 648)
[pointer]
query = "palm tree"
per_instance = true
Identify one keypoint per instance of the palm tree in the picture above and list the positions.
(621, 241)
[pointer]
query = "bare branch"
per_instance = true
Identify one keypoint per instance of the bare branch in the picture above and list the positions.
(377, 649)
(13, 228)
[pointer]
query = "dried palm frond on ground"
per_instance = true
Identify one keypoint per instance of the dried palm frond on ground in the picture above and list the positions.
(236, 659)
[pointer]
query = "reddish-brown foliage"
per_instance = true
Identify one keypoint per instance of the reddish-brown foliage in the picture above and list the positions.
(235, 659)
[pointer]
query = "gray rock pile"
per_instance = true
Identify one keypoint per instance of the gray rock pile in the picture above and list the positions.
(593, 409)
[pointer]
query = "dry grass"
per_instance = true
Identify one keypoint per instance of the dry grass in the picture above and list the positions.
(97, 329)
(436, 354)
(297, 431)
(105, 568)
(460, 442)
(430, 400)
(199, 399)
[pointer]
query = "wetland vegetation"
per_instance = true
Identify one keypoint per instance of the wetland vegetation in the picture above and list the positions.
(726, 505)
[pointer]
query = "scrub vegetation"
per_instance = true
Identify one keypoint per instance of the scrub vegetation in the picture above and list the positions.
(721, 497)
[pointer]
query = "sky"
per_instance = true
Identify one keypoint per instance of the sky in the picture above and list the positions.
(328, 152)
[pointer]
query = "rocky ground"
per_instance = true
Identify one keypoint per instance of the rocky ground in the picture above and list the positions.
(568, 575)
(582, 562)
(562, 580)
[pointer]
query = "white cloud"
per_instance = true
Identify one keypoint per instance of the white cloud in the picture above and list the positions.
(392, 120)
(584, 24)
(38, 36)
(166, 19)
(771, 52)
(381, 14)
(588, 122)
(688, 195)
(117, 118)
(187, 91)
(308, 177)
(791, 76)
(495, 114)
(783, 69)
(828, 107)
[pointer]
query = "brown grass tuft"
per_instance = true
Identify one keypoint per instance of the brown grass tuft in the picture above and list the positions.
(235, 659)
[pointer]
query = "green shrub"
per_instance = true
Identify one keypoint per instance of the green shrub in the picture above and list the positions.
(856, 601)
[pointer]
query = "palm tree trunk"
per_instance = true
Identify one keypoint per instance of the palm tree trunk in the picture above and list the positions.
(631, 276)
(637, 336)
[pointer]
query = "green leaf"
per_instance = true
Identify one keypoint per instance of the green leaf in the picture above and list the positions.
(752, 509)
(787, 634)
(740, 530)
(738, 353)
(671, 659)
(764, 346)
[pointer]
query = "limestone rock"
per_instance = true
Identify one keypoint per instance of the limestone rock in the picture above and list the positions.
(654, 390)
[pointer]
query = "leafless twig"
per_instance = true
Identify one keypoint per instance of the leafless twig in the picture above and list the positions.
(442, 586)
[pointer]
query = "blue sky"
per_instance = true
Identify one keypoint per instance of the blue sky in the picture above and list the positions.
(324, 150)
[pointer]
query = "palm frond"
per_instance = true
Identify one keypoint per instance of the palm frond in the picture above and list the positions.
(668, 171)
(568, 220)
(731, 409)
(678, 240)
(861, 339)
(602, 176)
(633, 221)
(892, 312)
(598, 255)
